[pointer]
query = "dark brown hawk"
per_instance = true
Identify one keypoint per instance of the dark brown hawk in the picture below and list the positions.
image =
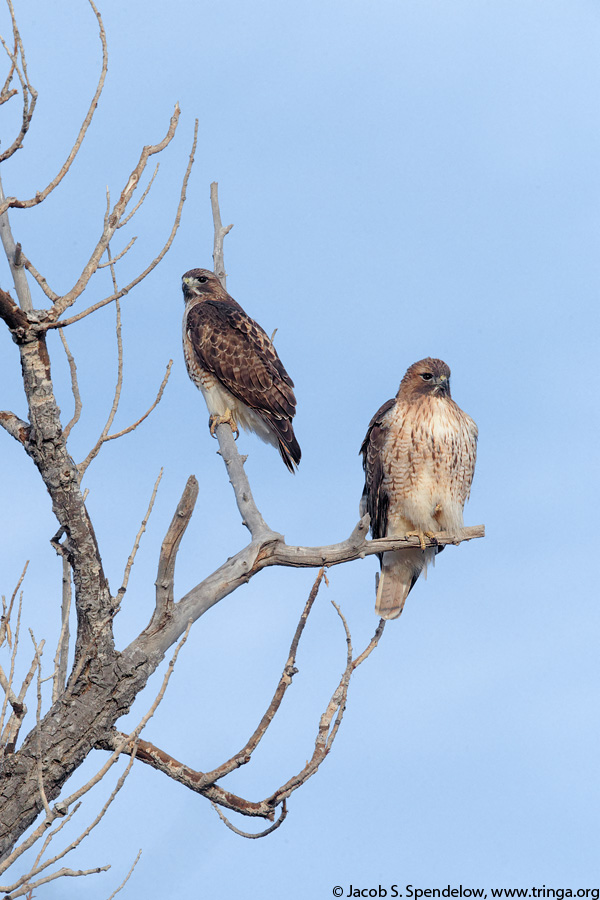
(235, 365)
(419, 459)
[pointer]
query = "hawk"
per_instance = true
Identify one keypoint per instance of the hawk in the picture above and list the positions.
(419, 458)
(235, 365)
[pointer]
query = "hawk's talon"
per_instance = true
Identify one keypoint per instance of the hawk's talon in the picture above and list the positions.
(422, 535)
(226, 419)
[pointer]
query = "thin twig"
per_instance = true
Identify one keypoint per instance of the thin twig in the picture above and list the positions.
(49, 837)
(5, 620)
(112, 260)
(28, 91)
(130, 215)
(249, 834)
(121, 293)
(38, 724)
(15, 647)
(60, 809)
(11, 731)
(41, 195)
(61, 873)
(104, 438)
(220, 232)
(131, 737)
(62, 648)
(127, 877)
(6, 93)
(74, 386)
(39, 278)
(116, 397)
(40, 867)
(334, 712)
(289, 670)
(130, 428)
(121, 592)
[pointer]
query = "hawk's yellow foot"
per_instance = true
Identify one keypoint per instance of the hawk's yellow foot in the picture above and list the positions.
(226, 419)
(421, 535)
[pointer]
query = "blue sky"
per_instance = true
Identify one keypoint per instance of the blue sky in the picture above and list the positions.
(406, 179)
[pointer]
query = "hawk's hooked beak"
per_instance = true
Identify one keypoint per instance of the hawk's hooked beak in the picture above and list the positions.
(442, 384)
(185, 286)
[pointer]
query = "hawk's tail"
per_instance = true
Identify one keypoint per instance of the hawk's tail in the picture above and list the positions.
(289, 447)
(399, 573)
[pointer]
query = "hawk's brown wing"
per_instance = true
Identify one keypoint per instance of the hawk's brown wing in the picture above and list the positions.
(375, 500)
(235, 349)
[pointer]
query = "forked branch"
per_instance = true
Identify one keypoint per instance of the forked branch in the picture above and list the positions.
(19, 67)
(205, 782)
(114, 221)
(13, 202)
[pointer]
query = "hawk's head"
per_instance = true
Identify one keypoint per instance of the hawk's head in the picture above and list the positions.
(197, 282)
(426, 377)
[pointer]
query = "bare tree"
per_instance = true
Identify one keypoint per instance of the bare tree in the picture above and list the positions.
(94, 683)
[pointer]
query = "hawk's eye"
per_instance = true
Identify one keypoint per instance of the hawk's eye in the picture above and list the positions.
(426, 376)
(202, 279)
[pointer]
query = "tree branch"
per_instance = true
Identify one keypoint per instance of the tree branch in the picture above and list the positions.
(121, 592)
(29, 92)
(238, 479)
(41, 195)
(112, 223)
(168, 554)
(289, 670)
(14, 317)
(330, 721)
(220, 232)
(15, 426)
(123, 291)
(74, 386)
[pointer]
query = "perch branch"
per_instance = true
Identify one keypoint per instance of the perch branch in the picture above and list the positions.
(234, 463)
(238, 479)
